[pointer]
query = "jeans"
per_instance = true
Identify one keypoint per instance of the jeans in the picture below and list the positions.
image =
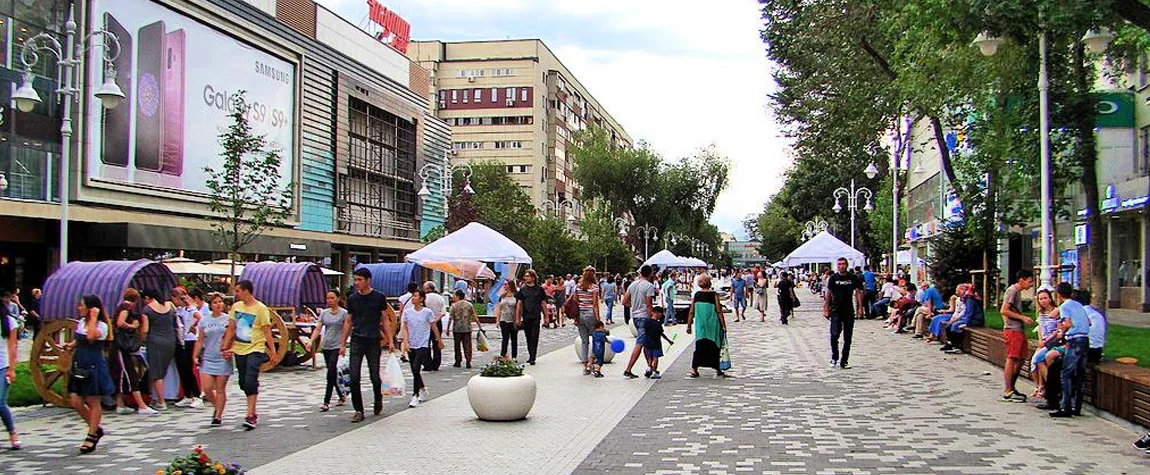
(186, 369)
(586, 327)
(531, 332)
(610, 302)
(670, 317)
(880, 307)
(462, 346)
(248, 367)
(868, 302)
(433, 362)
(418, 357)
(331, 360)
(510, 335)
(842, 325)
(359, 350)
(5, 413)
(1073, 372)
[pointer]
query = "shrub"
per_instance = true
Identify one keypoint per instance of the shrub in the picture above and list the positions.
(198, 463)
(502, 367)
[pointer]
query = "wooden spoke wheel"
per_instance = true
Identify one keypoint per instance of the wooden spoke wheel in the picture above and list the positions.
(281, 338)
(50, 362)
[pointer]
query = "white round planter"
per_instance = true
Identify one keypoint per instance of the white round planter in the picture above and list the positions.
(634, 331)
(501, 399)
(608, 353)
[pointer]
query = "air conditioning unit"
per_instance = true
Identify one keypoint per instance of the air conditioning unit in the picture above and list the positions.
(510, 102)
(470, 78)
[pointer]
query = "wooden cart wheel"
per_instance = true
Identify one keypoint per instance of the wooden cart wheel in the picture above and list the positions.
(302, 338)
(280, 334)
(50, 362)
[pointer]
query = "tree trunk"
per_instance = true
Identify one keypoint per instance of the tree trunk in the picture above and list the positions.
(1087, 157)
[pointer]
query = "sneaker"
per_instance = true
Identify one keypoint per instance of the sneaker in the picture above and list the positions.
(834, 363)
(216, 422)
(845, 366)
(917, 337)
(1008, 397)
(196, 403)
(954, 351)
(184, 402)
(629, 375)
(598, 374)
(647, 374)
(1017, 397)
(656, 376)
(159, 407)
(250, 422)
(423, 395)
(456, 365)
(124, 410)
(414, 402)
(1060, 414)
(357, 417)
(1143, 443)
(468, 365)
(945, 347)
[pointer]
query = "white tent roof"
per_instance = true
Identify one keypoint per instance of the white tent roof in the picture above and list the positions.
(694, 262)
(474, 242)
(664, 258)
(823, 248)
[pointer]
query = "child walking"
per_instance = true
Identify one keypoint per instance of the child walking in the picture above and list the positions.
(653, 345)
(594, 362)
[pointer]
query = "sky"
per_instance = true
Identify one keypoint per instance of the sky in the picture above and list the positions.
(678, 75)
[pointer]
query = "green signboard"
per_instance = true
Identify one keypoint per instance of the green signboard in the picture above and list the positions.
(1115, 110)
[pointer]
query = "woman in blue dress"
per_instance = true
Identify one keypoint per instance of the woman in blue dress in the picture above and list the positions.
(215, 367)
(89, 378)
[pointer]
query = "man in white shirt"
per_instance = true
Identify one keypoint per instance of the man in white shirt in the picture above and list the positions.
(569, 286)
(890, 293)
(438, 306)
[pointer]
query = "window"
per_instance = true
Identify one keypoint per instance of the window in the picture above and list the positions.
(1144, 151)
(523, 95)
(381, 147)
(454, 97)
(494, 93)
(509, 94)
(478, 95)
(503, 72)
(466, 93)
(468, 145)
(508, 144)
(470, 73)
(518, 168)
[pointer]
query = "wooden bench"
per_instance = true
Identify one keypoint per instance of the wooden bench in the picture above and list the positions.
(1120, 389)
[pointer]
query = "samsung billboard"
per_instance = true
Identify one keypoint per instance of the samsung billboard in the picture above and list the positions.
(178, 76)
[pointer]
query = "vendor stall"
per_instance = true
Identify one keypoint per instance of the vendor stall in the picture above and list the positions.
(292, 291)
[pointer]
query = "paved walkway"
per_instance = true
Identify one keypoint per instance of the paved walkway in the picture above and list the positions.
(1128, 317)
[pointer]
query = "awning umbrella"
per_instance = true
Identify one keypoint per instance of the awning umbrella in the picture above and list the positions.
(185, 266)
(470, 270)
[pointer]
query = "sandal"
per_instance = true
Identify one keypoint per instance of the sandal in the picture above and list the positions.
(693, 374)
(89, 444)
(15, 444)
(323, 408)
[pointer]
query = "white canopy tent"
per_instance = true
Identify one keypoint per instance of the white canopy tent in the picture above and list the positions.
(823, 248)
(904, 258)
(474, 242)
(664, 259)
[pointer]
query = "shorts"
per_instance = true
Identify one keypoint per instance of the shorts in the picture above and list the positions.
(248, 367)
(641, 330)
(1039, 357)
(653, 352)
(740, 300)
(1016, 345)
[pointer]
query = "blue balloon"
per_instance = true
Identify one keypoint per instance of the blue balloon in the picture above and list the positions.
(617, 346)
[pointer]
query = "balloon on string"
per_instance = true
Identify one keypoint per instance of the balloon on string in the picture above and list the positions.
(617, 345)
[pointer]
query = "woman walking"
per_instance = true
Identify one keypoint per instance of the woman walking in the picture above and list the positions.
(89, 379)
(706, 320)
(214, 367)
(9, 333)
(505, 314)
(419, 326)
(329, 333)
(462, 316)
(587, 296)
(159, 333)
(123, 362)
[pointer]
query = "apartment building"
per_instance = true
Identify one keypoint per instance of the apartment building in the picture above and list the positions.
(515, 102)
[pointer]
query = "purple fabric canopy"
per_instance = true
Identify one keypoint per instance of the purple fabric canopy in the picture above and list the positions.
(107, 280)
(287, 284)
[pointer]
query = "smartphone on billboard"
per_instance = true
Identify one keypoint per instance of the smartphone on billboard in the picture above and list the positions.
(150, 97)
(117, 125)
(173, 159)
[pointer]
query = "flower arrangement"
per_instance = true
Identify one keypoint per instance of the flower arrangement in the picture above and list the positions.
(502, 367)
(198, 463)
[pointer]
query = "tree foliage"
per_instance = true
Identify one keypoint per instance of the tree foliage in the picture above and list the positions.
(245, 192)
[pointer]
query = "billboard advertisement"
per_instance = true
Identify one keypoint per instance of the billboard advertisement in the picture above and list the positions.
(178, 76)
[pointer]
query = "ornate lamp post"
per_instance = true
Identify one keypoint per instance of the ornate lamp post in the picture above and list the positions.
(557, 207)
(446, 173)
(813, 227)
(69, 57)
(853, 195)
(648, 232)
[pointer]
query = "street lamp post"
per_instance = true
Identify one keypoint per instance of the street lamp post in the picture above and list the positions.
(555, 208)
(69, 57)
(1096, 41)
(648, 232)
(445, 172)
(852, 195)
(813, 227)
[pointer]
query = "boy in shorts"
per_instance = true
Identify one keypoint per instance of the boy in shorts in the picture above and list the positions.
(653, 344)
(598, 347)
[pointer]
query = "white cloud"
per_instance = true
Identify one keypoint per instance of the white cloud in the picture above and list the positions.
(685, 76)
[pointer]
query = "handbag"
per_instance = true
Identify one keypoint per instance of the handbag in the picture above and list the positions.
(571, 307)
(128, 339)
(724, 355)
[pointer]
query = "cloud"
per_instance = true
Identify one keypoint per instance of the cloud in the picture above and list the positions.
(676, 74)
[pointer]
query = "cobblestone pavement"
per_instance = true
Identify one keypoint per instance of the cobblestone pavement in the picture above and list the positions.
(902, 408)
(289, 421)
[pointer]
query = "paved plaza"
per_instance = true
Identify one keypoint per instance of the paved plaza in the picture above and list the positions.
(903, 408)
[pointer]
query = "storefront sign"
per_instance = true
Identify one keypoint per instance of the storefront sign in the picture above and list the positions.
(1111, 201)
(1081, 235)
(297, 247)
(1115, 110)
(396, 31)
(179, 75)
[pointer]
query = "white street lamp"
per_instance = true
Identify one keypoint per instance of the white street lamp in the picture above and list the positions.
(852, 195)
(445, 172)
(1095, 42)
(557, 208)
(622, 225)
(813, 227)
(648, 232)
(987, 44)
(3, 182)
(69, 58)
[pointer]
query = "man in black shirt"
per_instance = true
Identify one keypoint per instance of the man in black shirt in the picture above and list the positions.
(369, 325)
(786, 290)
(529, 311)
(842, 303)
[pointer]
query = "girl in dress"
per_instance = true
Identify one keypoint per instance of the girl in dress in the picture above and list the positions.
(90, 378)
(215, 367)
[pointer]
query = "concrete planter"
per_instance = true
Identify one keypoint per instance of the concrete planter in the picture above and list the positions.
(608, 353)
(501, 399)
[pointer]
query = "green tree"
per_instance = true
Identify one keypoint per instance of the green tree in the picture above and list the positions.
(245, 192)
(553, 249)
(498, 202)
(779, 233)
(603, 247)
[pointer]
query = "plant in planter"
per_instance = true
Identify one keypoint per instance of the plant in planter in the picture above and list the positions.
(501, 391)
(198, 463)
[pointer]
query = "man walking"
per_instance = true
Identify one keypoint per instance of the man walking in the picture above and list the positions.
(369, 321)
(869, 291)
(640, 299)
(739, 295)
(529, 311)
(1075, 324)
(786, 289)
(669, 298)
(1013, 325)
(248, 337)
(843, 302)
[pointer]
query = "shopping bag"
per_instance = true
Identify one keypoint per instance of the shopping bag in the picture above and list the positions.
(343, 375)
(392, 377)
(724, 355)
(481, 341)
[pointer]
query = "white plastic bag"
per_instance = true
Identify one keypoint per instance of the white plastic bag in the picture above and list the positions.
(481, 342)
(343, 375)
(393, 383)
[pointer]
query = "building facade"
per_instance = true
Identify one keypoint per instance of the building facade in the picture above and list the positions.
(515, 102)
(348, 114)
